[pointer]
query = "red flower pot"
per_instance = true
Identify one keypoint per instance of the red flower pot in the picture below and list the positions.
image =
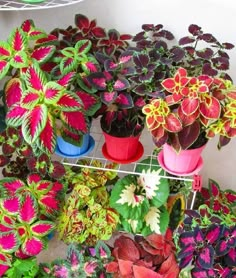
(122, 149)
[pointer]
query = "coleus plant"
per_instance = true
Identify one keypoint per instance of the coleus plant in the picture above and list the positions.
(140, 200)
(204, 54)
(86, 216)
(141, 257)
(206, 244)
(81, 261)
(193, 110)
(220, 201)
(27, 211)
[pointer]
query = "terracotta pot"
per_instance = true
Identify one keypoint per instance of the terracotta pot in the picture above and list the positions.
(184, 162)
(122, 149)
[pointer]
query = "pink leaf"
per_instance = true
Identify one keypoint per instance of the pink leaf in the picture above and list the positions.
(75, 120)
(5, 228)
(44, 185)
(12, 184)
(49, 202)
(42, 228)
(189, 106)
(9, 241)
(29, 210)
(18, 40)
(211, 110)
(33, 178)
(30, 99)
(34, 79)
(69, 102)
(172, 124)
(66, 79)
(11, 205)
(32, 246)
(43, 53)
(13, 91)
(15, 115)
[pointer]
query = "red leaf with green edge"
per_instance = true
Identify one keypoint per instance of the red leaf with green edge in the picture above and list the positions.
(57, 186)
(189, 106)
(188, 135)
(43, 186)
(214, 188)
(47, 137)
(230, 258)
(110, 65)
(89, 67)
(4, 67)
(20, 254)
(186, 238)
(28, 210)
(30, 99)
(83, 46)
(108, 97)
(206, 257)
(18, 40)
(91, 103)
(213, 233)
(98, 32)
(34, 123)
(3, 269)
(75, 120)
(172, 123)
(12, 184)
(21, 231)
(121, 84)
(210, 110)
(69, 102)
(73, 256)
(8, 220)
(35, 78)
(5, 50)
(67, 65)
(81, 21)
(49, 203)
(222, 248)
(11, 205)
(15, 115)
(32, 246)
(230, 195)
(5, 259)
(53, 92)
(13, 91)
(19, 60)
(49, 39)
(42, 228)
(71, 137)
(98, 80)
(9, 242)
(27, 25)
(33, 178)
(5, 228)
(124, 100)
(66, 79)
(43, 53)
(142, 271)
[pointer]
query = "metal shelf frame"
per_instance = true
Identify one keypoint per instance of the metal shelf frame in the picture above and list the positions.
(20, 5)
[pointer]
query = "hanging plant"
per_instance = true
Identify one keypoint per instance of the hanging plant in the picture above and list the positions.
(140, 200)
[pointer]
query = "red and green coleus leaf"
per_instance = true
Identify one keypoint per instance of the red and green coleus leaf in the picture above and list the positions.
(91, 102)
(30, 99)
(42, 228)
(83, 46)
(11, 205)
(15, 115)
(19, 60)
(49, 204)
(98, 80)
(9, 242)
(108, 97)
(5, 50)
(74, 138)
(68, 64)
(69, 101)
(75, 120)
(33, 33)
(34, 122)
(74, 257)
(90, 65)
(124, 100)
(43, 53)
(28, 211)
(12, 185)
(13, 91)
(4, 67)
(18, 40)
(35, 78)
(33, 246)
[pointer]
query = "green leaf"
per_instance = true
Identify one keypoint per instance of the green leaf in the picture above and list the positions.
(83, 46)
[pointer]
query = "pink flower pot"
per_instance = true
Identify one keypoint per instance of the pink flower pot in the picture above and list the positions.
(184, 162)
(122, 149)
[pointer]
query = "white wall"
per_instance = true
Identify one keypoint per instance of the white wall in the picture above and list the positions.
(214, 16)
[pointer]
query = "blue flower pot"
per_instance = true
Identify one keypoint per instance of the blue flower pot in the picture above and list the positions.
(70, 149)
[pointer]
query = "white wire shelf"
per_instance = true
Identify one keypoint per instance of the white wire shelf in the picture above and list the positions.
(18, 5)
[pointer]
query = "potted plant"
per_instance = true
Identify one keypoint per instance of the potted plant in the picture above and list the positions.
(194, 109)
(140, 200)
(81, 261)
(151, 256)
(86, 216)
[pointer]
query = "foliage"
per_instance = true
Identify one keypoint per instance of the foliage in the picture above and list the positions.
(206, 243)
(23, 268)
(82, 261)
(193, 110)
(140, 200)
(151, 256)
(220, 201)
(86, 216)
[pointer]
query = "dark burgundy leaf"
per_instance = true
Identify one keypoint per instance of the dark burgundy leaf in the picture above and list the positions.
(124, 100)
(209, 38)
(206, 257)
(188, 135)
(98, 80)
(141, 60)
(230, 258)
(98, 32)
(199, 273)
(194, 29)
(185, 261)
(221, 63)
(206, 53)
(160, 46)
(213, 233)
(195, 62)
(141, 89)
(138, 37)
(228, 45)
(208, 70)
(186, 40)
(158, 27)
(164, 34)
(148, 27)
(177, 54)
(125, 37)
(56, 170)
(4, 160)
(8, 149)
(81, 21)
(222, 248)
(186, 238)
(146, 77)
(113, 35)
(223, 54)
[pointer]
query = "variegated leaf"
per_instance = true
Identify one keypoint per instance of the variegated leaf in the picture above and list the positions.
(9, 242)
(42, 228)
(43, 186)
(30, 99)
(83, 46)
(34, 123)
(35, 78)
(66, 79)
(47, 137)
(13, 91)
(18, 40)
(32, 246)
(108, 97)
(67, 65)
(69, 102)
(11, 205)
(5, 50)
(29, 209)
(4, 67)
(15, 115)
(11, 184)
(19, 60)
(91, 102)
(43, 53)
(53, 92)
(90, 66)
(75, 120)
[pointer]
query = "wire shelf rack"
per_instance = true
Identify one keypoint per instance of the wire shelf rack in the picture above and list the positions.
(19, 5)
